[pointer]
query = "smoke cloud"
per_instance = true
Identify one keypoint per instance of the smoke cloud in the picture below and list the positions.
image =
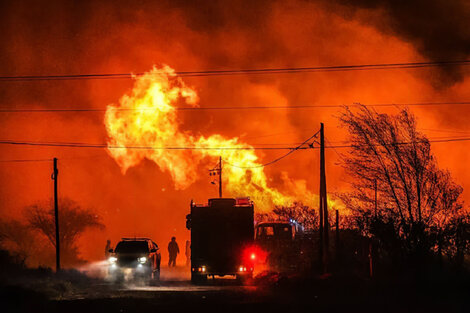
(64, 37)
(438, 29)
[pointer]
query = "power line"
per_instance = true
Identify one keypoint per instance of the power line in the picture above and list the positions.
(402, 143)
(195, 109)
(51, 159)
(279, 158)
(256, 146)
(25, 160)
(446, 131)
(301, 130)
(105, 146)
(430, 139)
(464, 135)
(284, 70)
(334, 149)
(291, 149)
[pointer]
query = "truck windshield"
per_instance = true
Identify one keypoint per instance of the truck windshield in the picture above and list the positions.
(265, 231)
(274, 232)
(132, 247)
(283, 232)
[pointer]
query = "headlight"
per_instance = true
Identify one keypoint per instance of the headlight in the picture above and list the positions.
(143, 260)
(112, 260)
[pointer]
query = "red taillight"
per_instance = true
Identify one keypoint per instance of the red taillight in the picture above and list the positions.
(253, 254)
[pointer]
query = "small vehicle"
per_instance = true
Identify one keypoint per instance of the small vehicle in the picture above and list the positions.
(137, 257)
(222, 233)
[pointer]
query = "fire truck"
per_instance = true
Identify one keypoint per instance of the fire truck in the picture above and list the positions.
(222, 233)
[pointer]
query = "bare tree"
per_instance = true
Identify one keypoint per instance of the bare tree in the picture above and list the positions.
(73, 221)
(415, 197)
(302, 214)
(16, 238)
(22, 243)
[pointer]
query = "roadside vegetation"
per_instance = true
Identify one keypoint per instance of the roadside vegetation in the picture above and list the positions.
(32, 241)
(402, 214)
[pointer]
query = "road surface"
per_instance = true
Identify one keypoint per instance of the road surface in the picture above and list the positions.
(175, 293)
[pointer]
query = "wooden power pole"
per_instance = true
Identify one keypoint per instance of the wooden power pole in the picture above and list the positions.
(56, 214)
(375, 189)
(324, 224)
(220, 177)
(337, 234)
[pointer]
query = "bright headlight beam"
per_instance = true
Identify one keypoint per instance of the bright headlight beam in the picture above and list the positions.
(142, 259)
(112, 259)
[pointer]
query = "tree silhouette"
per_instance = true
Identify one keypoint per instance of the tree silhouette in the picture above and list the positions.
(73, 221)
(299, 212)
(417, 201)
(17, 238)
(302, 214)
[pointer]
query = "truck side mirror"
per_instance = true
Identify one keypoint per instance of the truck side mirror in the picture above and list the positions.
(110, 251)
(153, 250)
(188, 221)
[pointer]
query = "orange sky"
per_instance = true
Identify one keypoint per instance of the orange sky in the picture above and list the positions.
(111, 38)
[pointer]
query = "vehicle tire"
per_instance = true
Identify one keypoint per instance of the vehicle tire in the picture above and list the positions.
(116, 277)
(245, 279)
(198, 278)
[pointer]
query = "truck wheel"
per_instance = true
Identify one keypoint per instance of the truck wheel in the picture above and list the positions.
(198, 278)
(246, 279)
(117, 278)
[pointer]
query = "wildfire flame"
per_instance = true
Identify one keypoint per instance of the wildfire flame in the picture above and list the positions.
(147, 118)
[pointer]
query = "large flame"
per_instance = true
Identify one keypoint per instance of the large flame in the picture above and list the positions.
(147, 118)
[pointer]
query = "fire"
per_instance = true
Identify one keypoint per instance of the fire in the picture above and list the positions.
(147, 117)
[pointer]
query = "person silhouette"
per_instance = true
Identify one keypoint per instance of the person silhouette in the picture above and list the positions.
(107, 248)
(173, 251)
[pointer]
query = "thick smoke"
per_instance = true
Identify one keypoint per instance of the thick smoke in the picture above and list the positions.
(437, 28)
(66, 37)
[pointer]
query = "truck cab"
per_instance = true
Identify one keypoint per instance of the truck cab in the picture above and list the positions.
(222, 233)
(283, 242)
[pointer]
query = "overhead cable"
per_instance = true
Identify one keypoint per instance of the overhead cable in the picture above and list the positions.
(234, 108)
(282, 70)
(279, 158)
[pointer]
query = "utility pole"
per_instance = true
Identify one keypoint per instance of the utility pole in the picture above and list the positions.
(217, 170)
(55, 175)
(320, 229)
(337, 234)
(375, 188)
(324, 224)
(220, 176)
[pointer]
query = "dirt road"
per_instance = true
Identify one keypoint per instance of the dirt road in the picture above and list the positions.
(175, 293)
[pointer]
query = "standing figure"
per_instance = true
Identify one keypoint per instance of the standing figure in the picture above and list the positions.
(188, 252)
(107, 248)
(173, 250)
